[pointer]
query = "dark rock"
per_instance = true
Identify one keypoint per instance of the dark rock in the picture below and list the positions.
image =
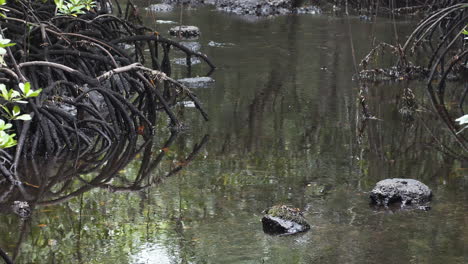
(160, 8)
(365, 18)
(185, 31)
(197, 82)
(284, 220)
(404, 191)
(70, 109)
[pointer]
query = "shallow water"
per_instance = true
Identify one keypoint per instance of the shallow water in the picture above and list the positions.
(282, 127)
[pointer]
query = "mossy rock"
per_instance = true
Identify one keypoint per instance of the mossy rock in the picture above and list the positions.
(285, 220)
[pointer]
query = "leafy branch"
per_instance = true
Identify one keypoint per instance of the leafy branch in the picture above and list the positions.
(73, 7)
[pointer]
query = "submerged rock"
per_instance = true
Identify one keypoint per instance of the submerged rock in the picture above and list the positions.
(315, 189)
(192, 45)
(188, 104)
(197, 82)
(160, 8)
(185, 31)
(404, 191)
(218, 44)
(284, 220)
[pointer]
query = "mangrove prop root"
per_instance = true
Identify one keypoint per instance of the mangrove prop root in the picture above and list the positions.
(94, 91)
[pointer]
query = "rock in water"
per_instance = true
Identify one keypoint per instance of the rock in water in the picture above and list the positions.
(284, 220)
(197, 82)
(404, 191)
(185, 31)
(193, 46)
(183, 61)
(160, 8)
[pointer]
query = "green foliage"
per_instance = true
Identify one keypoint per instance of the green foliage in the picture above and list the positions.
(13, 97)
(6, 140)
(12, 111)
(3, 44)
(73, 7)
(2, 2)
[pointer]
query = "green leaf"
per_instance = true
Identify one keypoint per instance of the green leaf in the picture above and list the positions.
(7, 45)
(24, 117)
(4, 92)
(34, 93)
(4, 126)
(25, 87)
(16, 110)
(7, 111)
(7, 140)
(14, 94)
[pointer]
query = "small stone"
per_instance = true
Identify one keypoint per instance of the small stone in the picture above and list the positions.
(183, 61)
(197, 82)
(185, 31)
(160, 8)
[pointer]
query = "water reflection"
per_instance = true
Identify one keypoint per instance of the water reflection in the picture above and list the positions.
(282, 128)
(130, 165)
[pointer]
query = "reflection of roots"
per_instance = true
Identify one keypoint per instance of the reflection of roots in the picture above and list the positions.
(439, 37)
(94, 92)
(62, 178)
